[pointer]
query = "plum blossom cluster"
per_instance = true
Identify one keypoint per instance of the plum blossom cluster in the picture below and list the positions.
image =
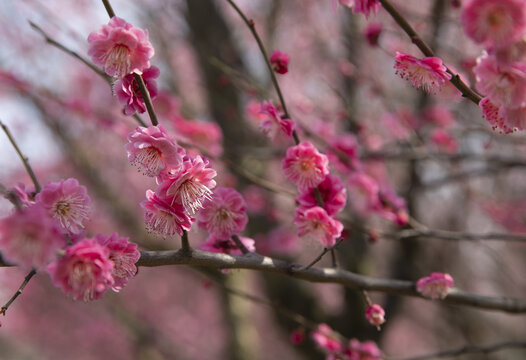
(47, 233)
(123, 51)
(330, 343)
(321, 196)
(499, 26)
(435, 286)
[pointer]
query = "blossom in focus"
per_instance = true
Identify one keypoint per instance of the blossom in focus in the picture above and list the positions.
(165, 217)
(435, 286)
(494, 23)
(124, 255)
(375, 315)
(326, 339)
(30, 237)
(66, 201)
(305, 166)
(333, 195)
(428, 74)
(502, 84)
(191, 185)
(224, 214)
(491, 113)
(280, 62)
(227, 245)
(273, 123)
(128, 93)
(316, 223)
(152, 150)
(120, 48)
(84, 271)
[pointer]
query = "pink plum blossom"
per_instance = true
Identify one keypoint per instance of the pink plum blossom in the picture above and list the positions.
(124, 255)
(393, 207)
(280, 62)
(84, 271)
(503, 85)
(333, 195)
(492, 113)
(25, 197)
(515, 118)
(165, 217)
(315, 222)
(362, 6)
(363, 193)
(128, 93)
(191, 185)
(344, 153)
(226, 245)
(30, 237)
(372, 33)
(366, 350)
(305, 166)
(204, 134)
(375, 315)
(152, 150)
(120, 48)
(66, 201)
(326, 339)
(224, 214)
(273, 123)
(494, 23)
(428, 74)
(435, 286)
(444, 141)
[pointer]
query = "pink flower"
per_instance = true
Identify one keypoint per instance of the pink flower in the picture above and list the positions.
(205, 134)
(362, 6)
(66, 201)
(435, 286)
(363, 351)
(393, 207)
(503, 85)
(316, 223)
(515, 118)
(152, 149)
(164, 217)
(444, 141)
(189, 186)
(492, 114)
(30, 237)
(333, 195)
(297, 336)
(375, 315)
(272, 124)
(226, 245)
(280, 62)
(129, 94)
(429, 73)
(439, 115)
(224, 214)
(326, 339)
(120, 48)
(372, 33)
(124, 255)
(495, 23)
(84, 272)
(305, 166)
(346, 145)
(364, 193)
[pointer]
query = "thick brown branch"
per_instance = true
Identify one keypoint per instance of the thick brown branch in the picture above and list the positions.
(322, 275)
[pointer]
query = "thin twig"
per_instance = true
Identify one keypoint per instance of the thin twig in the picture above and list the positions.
(240, 244)
(147, 99)
(252, 26)
(28, 277)
(426, 50)
(318, 258)
(24, 158)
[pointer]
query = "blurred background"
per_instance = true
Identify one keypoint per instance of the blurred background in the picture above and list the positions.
(434, 156)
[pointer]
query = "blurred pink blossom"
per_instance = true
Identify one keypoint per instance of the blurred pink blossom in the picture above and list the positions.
(435, 286)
